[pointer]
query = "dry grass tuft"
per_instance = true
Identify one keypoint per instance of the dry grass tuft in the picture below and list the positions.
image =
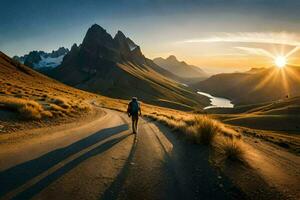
(62, 102)
(196, 128)
(206, 129)
(230, 149)
(28, 109)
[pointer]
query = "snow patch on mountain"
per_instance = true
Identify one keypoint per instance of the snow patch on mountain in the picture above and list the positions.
(49, 62)
(40, 59)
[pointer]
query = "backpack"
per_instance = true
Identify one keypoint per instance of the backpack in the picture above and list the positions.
(134, 108)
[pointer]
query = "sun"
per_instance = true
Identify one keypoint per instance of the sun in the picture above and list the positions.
(280, 61)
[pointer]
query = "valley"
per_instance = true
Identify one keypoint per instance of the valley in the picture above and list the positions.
(254, 86)
(65, 132)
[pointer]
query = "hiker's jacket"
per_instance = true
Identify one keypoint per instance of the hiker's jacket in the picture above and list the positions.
(134, 107)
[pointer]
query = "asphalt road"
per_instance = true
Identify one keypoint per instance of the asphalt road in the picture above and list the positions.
(102, 159)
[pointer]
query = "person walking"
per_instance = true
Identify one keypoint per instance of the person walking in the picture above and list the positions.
(133, 111)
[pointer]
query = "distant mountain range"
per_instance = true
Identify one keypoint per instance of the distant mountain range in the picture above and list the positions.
(255, 86)
(181, 68)
(116, 67)
(41, 60)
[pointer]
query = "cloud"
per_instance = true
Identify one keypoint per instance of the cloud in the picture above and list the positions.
(263, 52)
(256, 51)
(283, 38)
(225, 55)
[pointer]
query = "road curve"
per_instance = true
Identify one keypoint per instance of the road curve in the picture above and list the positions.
(104, 160)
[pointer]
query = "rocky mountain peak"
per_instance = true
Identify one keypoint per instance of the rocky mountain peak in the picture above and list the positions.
(121, 43)
(131, 44)
(74, 47)
(180, 68)
(97, 36)
(120, 36)
(96, 28)
(59, 52)
(42, 60)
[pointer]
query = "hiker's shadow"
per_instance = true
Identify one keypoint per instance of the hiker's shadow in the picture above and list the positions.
(199, 178)
(190, 163)
(16, 176)
(186, 169)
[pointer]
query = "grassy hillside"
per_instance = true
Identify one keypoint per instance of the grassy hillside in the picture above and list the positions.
(276, 121)
(279, 115)
(26, 95)
(254, 86)
(282, 115)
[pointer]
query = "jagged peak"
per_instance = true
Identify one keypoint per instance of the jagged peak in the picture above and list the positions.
(62, 48)
(95, 36)
(120, 34)
(97, 27)
(97, 31)
(74, 47)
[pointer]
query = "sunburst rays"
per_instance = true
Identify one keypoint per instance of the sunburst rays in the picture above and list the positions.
(265, 80)
(281, 74)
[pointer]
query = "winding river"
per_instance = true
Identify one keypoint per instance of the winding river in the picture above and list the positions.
(217, 102)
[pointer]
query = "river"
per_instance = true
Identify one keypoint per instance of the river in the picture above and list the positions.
(217, 102)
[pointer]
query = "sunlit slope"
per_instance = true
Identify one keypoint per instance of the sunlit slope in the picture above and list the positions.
(31, 95)
(254, 86)
(125, 80)
(288, 106)
(280, 115)
(116, 67)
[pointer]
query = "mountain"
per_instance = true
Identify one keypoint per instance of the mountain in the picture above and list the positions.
(41, 60)
(254, 86)
(180, 68)
(116, 67)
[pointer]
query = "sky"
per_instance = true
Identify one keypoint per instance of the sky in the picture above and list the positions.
(217, 35)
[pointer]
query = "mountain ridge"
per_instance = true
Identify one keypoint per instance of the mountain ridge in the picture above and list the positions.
(180, 68)
(42, 60)
(254, 86)
(107, 65)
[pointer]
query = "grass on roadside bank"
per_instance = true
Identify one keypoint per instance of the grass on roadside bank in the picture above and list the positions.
(202, 129)
(196, 128)
(28, 109)
(32, 109)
